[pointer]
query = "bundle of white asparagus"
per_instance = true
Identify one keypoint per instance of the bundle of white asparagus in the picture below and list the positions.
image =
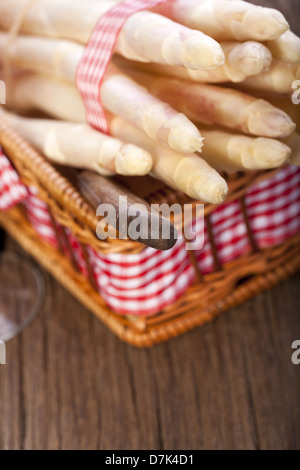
(196, 88)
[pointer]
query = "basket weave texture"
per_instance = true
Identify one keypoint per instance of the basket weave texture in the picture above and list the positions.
(211, 293)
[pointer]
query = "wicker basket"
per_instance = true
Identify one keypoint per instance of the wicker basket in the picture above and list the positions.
(226, 287)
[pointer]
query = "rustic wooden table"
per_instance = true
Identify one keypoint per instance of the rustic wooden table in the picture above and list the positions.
(70, 384)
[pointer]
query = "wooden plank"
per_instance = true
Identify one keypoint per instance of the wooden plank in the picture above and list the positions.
(71, 384)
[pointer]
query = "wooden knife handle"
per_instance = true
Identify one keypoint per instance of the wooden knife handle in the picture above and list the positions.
(155, 230)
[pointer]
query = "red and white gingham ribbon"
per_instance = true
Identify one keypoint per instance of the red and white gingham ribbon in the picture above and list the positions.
(97, 55)
(12, 191)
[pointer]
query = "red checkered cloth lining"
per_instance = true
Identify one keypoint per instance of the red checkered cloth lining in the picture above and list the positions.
(97, 55)
(12, 190)
(145, 283)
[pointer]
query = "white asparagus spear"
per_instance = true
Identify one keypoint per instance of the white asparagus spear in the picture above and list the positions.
(229, 152)
(58, 58)
(145, 36)
(245, 59)
(286, 104)
(279, 79)
(54, 97)
(227, 19)
(80, 146)
(153, 38)
(156, 118)
(61, 100)
(187, 173)
(119, 94)
(286, 47)
(242, 60)
(220, 106)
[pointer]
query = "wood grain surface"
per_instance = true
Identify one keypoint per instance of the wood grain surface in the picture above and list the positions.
(70, 384)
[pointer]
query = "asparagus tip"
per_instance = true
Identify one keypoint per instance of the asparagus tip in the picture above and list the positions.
(272, 123)
(133, 161)
(215, 192)
(185, 138)
(200, 52)
(254, 58)
(270, 153)
(265, 23)
(286, 47)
